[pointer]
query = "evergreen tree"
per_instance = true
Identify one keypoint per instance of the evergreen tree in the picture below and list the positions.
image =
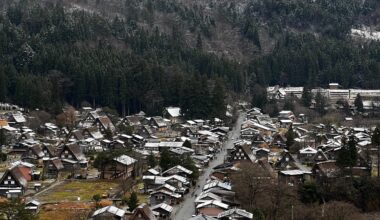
(187, 144)
(259, 96)
(306, 97)
(218, 104)
(108, 134)
(133, 201)
(165, 160)
(289, 105)
(359, 103)
(290, 136)
(152, 162)
(320, 103)
(347, 156)
(3, 138)
(376, 142)
(199, 42)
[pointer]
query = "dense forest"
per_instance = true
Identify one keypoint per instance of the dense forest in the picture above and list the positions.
(144, 55)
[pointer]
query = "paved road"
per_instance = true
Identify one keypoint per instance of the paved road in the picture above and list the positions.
(186, 209)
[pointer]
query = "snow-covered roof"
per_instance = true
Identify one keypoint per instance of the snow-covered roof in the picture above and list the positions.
(217, 183)
(237, 211)
(19, 118)
(111, 209)
(174, 111)
(294, 172)
(126, 160)
(163, 206)
(213, 202)
(308, 150)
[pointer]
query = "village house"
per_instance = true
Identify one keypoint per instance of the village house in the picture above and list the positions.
(108, 212)
(163, 196)
(121, 167)
(72, 156)
(143, 212)
(158, 123)
(52, 168)
(48, 151)
(164, 210)
(33, 154)
(235, 213)
(286, 162)
(293, 177)
(173, 114)
(13, 183)
(104, 124)
(33, 205)
(178, 170)
(242, 153)
(132, 121)
(212, 208)
(307, 154)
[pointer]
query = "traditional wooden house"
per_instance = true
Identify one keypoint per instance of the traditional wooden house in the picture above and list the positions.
(293, 177)
(178, 170)
(320, 156)
(72, 156)
(325, 171)
(48, 150)
(120, 167)
(143, 212)
(108, 212)
(173, 114)
(33, 205)
(92, 132)
(159, 123)
(104, 124)
(262, 153)
(164, 196)
(286, 162)
(164, 210)
(307, 154)
(17, 120)
(75, 135)
(248, 133)
(132, 121)
(235, 213)
(13, 183)
(212, 208)
(33, 154)
(52, 168)
(242, 153)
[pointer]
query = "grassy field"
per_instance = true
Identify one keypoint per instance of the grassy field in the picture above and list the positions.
(72, 190)
(65, 211)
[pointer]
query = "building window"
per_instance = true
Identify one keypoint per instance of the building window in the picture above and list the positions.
(12, 182)
(5, 182)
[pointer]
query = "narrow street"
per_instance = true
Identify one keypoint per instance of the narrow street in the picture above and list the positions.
(186, 209)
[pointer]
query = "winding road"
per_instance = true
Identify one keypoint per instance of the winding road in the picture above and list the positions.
(187, 208)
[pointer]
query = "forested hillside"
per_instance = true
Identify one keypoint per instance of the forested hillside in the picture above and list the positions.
(142, 55)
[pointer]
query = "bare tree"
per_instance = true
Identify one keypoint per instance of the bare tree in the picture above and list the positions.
(249, 183)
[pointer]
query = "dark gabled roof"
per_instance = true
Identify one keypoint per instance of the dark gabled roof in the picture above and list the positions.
(36, 149)
(16, 173)
(57, 163)
(145, 211)
(75, 150)
(106, 123)
(77, 134)
(133, 120)
(328, 168)
(49, 148)
(159, 121)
